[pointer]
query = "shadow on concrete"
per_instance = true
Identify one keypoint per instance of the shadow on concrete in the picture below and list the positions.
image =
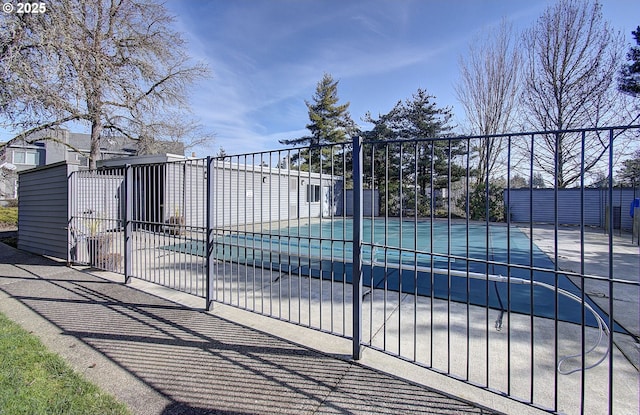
(201, 363)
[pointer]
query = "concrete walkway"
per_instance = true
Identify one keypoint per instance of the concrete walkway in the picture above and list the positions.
(164, 357)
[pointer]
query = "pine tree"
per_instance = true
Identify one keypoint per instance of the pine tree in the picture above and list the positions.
(330, 123)
(630, 74)
(221, 153)
(629, 174)
(425, 164)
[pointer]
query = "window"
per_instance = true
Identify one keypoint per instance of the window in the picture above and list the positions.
(313, 193)
(26, 157)
(83, 161)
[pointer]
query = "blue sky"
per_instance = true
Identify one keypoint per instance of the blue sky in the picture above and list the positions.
(266, 56)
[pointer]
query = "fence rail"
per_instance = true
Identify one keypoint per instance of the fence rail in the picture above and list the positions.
(410, 247)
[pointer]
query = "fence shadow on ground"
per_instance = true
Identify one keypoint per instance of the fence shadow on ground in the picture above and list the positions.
(206, 364)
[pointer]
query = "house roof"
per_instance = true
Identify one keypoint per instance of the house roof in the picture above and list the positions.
(119, 144)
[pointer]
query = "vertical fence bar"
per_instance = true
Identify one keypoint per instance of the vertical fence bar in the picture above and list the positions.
(72, 244)
(468, 280)
(449, 281)
(488, 259)
(507, 208)
(432, 215)
(415, 255)
(582, 280)
(610, 276)
(128, 225)
(556, 268)
(357, 247)
(209, 259)
(531, 292)
(401, 207)
(386, 244)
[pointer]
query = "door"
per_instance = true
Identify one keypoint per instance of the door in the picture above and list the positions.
(327, 201)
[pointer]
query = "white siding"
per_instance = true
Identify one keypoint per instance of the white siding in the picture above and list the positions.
(195, 185)
(97, 196)
(245, 194)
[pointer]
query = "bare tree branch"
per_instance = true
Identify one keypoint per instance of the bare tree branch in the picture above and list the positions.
(487, 89)
(572, 58)
(113, 65)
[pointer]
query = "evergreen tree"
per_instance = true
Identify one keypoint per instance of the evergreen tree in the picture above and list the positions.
(630, 74)
(221, 153)
(518, 182)
(537, 181)
(433, 159)
(330, 123)
(425, 164)
(629, 174)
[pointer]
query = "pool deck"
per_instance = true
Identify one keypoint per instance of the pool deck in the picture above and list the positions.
(625, 265)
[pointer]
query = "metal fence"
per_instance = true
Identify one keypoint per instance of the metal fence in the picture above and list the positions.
(403, 246)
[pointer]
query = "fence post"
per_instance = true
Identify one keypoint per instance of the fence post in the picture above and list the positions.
(128, 226)
(209, 259)
(72, 251)
(357, 247)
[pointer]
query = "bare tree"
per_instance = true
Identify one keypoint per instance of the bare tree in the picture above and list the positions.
(113, 65)
(488, 90)
(572, 56)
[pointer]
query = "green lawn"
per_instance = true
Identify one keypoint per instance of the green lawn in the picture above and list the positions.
(8, 216)
(36, 381)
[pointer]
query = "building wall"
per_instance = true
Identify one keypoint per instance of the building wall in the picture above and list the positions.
(185, 192)
(43, 210)
(54, 152)
(96, 201)
(57, 209)
(370, 202)
(569, 206)
(242, 194)
(248, 194)
(48, 151)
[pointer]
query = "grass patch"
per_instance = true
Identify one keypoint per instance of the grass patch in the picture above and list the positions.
(36, 381)
(8, 216)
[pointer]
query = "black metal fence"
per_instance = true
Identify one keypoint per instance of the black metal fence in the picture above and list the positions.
(406, 246)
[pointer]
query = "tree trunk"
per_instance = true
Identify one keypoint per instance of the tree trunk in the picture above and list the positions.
(94, 155)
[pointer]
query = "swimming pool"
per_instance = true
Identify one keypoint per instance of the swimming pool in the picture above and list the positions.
(456, 261)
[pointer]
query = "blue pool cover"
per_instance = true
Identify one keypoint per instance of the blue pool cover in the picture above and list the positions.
(301, 252)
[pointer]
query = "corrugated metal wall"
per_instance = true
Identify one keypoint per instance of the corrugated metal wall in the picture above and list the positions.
(43, 200)
(569, 207)
(370, 202)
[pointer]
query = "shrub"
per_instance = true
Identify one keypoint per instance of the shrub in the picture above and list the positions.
(478, 202)
(9, 216)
